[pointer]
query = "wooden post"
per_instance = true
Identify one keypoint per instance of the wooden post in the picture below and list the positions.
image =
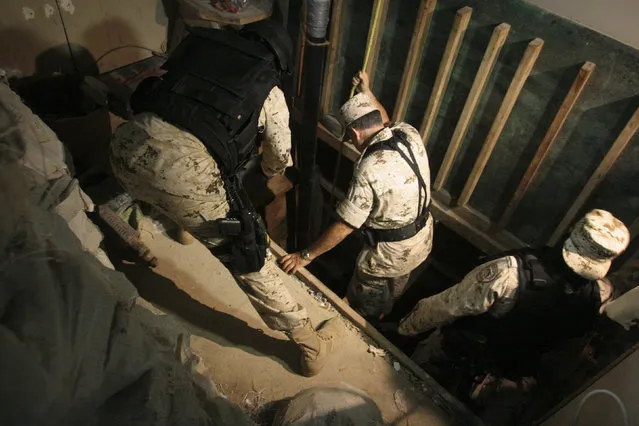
(497, 40)
(522, 73)
(598, 176)
(375, 32)
(462, 19)
(547, 142)
(422, 24)
(337, 15)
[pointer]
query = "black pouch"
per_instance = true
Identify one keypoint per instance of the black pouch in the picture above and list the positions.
(248, 250)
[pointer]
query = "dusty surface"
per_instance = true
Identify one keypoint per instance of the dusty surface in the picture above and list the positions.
(251, 364)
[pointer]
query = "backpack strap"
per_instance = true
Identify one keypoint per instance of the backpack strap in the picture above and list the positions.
(373, 236)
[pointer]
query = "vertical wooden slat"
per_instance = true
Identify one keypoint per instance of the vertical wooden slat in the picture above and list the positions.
(375, 32)
(301, 47)
(462, 19)
(337, 15)
(497, 40)
(422, 24)
(517, 83)
(598, 176)
(547, 142)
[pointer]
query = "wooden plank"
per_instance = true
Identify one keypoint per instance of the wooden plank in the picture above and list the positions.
(544, 147)
(517, 83)
(598, 176)
(422, 25)
(460, 24)
(497, 40)
(441, 398)
(337, 15)
(301, 48)
(375, 33)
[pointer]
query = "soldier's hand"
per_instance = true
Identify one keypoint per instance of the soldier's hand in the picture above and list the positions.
(291, 263)
(362, 82)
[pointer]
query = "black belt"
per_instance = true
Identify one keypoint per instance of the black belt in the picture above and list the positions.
(373, 236)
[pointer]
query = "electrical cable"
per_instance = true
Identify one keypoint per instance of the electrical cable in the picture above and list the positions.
(127, 46)
(66, 36)
(605, 392)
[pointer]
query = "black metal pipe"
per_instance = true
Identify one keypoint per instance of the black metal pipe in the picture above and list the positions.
(314, 56)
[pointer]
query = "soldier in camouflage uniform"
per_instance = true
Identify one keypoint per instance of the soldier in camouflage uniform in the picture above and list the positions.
(385, 194)
(510, 310)
(172, 170)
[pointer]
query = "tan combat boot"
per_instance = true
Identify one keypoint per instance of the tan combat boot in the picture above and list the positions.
(315, 345)
(183, 237)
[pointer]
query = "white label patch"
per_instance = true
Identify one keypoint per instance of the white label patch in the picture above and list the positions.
(48, 10)
(67, 6)
(28, 13)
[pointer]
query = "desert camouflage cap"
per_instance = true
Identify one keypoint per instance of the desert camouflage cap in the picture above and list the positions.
(356, 107)
(594, 242)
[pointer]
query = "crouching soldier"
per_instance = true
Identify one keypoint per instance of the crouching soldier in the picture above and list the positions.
(506, 313)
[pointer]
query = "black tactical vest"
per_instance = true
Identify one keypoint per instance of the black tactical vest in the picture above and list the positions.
(215, 86)
(548, 310)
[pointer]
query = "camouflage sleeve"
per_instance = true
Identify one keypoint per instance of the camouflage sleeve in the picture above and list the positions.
(276, 148)
(357, 206)
(483, 289)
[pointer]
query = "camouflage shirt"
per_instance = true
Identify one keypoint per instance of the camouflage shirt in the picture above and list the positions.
(169, 168)
(491, 287)
(276, 148)
(384, 194)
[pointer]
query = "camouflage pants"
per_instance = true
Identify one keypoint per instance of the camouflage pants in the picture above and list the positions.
(265, 289)
(180, 179)
(373, 296)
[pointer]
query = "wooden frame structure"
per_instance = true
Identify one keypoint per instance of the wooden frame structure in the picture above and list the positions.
(487, 234)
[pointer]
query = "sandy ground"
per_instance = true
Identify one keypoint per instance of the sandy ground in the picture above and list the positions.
(253, 365)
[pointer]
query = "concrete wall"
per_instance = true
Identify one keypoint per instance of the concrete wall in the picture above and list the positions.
(32, 38)
(615, 18)
(601, 409)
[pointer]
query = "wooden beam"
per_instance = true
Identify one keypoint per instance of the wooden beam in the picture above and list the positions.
(521, 75)
(301, 47)
(460, 24)
(442, 398)
(375, 33)
(422, 25)
(544, 147)
(497, 40)
(597, 177)
(337, 15)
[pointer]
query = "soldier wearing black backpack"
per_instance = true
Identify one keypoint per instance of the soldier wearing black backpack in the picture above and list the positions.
(185, 151)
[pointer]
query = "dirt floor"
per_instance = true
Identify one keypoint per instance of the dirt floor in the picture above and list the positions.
(255, 366)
